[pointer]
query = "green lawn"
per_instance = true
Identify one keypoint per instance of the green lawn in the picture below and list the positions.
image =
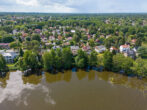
(145, 60)
(144, 44)
(12, 67)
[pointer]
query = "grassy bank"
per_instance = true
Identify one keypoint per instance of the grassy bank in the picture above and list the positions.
(12, 67)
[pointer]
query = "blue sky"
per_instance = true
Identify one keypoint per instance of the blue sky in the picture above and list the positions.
(74, 6)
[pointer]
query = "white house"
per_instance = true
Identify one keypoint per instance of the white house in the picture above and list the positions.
(100, 48)
(9, 55)
(74, 49)
(124, 48)
(73, 31)
(14, 32)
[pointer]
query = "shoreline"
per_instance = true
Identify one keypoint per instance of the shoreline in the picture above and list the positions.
(29, 72)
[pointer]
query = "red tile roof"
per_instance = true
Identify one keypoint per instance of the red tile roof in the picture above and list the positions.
(125, 46)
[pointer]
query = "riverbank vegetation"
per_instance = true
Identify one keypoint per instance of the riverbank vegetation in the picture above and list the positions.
(60, 60)
(3, 66)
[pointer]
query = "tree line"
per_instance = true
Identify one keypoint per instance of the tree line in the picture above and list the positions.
(59, 60)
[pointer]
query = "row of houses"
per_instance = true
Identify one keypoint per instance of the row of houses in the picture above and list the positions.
(10, 55)
(124, 49)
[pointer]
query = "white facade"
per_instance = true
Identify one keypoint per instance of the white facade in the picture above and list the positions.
(9, 55)
(14, 32)
(124, 48)
(73, 31)
(74, 49)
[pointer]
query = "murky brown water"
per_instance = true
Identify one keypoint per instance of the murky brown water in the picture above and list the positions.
(72, 91)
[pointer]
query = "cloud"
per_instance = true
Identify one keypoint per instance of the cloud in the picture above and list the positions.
(15, 90)
(76, 6)
(27, 2)
(34, 6)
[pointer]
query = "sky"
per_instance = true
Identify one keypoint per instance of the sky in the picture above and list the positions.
(74, 6)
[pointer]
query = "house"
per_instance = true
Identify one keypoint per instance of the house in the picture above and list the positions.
(59, 37)
(37, 31)
(4, 46)
(44, 50)
(108, 36)
(58, 31)
(113, 49)
(2, 51)
(73, 31)
(89, 37)
(48, 44)
(9, 55)
(24, 34)
(74, 49)
(124, 48)
(66, 44)
(69, 38)
(51, 38)
(55, 47)
(133, 41)
(97, 40)
(102, 36)
(130, 53)
(144, 22)
(107, 21)
(133, 23)
(45, 40)
(14, 32)
(100, 48)
(87, 49)
(135, 49)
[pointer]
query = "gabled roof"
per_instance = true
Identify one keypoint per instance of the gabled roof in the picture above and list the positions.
(100, 47)
(113, 48)
(125, 46)
(133, 40)
(4, 44)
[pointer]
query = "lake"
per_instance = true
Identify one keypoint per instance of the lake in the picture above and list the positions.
(72, 91)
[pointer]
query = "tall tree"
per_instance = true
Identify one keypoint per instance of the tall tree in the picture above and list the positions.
(93, 59)
(67, 58)
(81, 60)
(120, 62)
(108, 60)
(30, 61)
(47, 61)
(140, 67)
(2, 63)
(36, 37)
(142, 51)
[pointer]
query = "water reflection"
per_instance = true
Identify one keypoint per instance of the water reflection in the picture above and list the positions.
(115, 79)
(52, 78)
(91, 75)
(81, 74)
(67, 76)
(15, 87)
(32, 79)
(3, 82)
